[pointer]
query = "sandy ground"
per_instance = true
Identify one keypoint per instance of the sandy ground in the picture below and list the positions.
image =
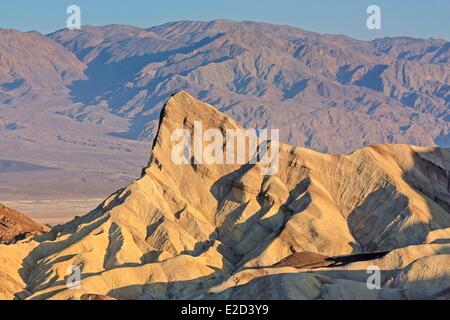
(54, 211)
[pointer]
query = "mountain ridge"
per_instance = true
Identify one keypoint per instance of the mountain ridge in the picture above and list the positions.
(329, 93)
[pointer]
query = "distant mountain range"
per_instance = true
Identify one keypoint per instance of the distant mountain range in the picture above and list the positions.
(77, 94)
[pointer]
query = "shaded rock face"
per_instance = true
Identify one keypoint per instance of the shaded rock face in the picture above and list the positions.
(15, 226)
(228, 232)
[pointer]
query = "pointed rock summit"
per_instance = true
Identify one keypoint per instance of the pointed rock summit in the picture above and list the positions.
(226, 231)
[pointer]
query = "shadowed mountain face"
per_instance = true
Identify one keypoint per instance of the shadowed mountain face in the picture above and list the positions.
(216, 231)
(77, 94)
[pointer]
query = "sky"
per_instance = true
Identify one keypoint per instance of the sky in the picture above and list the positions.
(416, 18)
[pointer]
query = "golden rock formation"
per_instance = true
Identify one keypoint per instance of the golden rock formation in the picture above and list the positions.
(221, 231)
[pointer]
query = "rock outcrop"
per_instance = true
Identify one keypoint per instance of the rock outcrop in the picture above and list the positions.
(15, 226)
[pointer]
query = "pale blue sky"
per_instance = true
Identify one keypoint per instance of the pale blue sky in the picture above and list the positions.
(417, 18)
